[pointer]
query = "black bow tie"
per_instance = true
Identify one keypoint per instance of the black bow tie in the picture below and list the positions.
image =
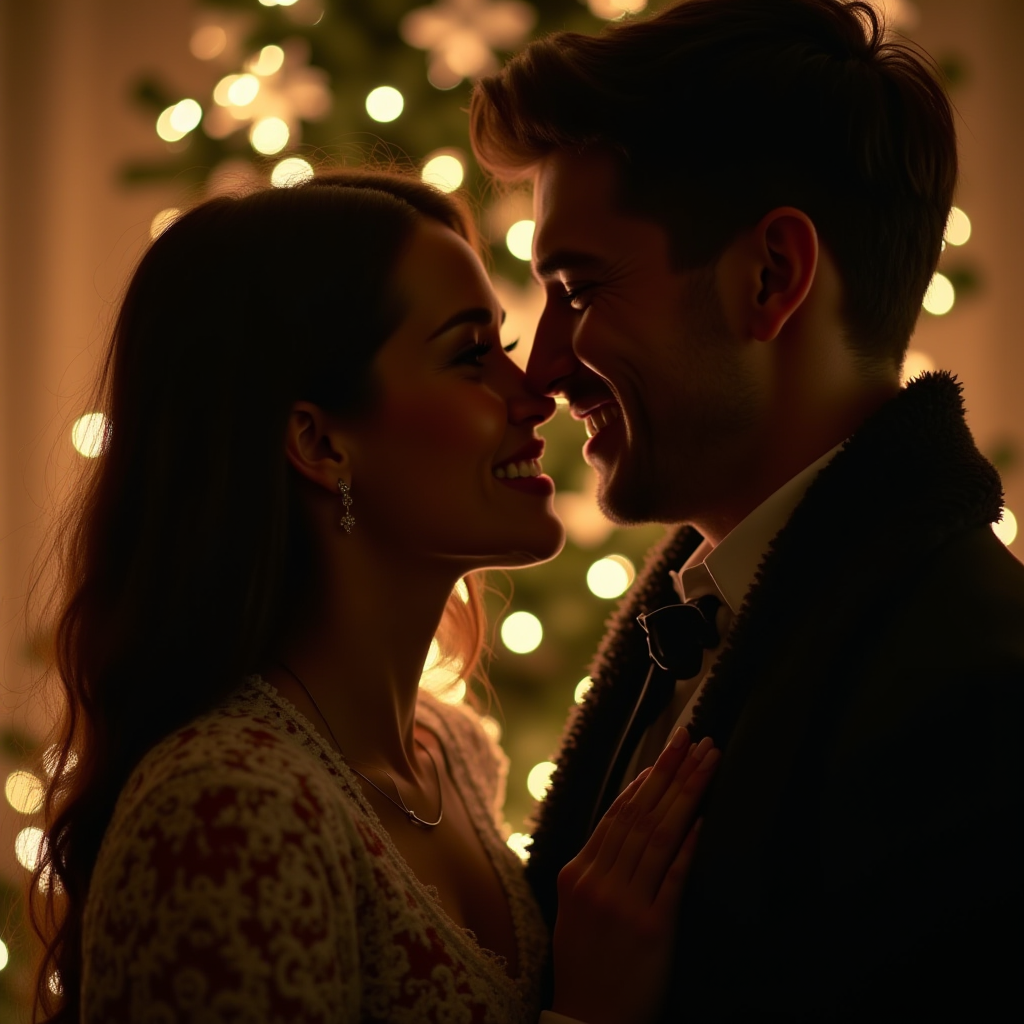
(678, 634)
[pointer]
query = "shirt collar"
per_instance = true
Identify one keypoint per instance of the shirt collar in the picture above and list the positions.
(730, 567)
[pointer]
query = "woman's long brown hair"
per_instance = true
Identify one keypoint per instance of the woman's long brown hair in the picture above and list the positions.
(175, 557)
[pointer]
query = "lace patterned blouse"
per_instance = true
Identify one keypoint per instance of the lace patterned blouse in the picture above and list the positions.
(245, 878)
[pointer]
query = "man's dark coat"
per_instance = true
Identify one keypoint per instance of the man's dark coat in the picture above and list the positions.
(861, 853)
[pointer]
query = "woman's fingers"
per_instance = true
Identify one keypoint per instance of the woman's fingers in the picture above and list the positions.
(655, 838)
(641, 802)
(658, 862)
(593, 845)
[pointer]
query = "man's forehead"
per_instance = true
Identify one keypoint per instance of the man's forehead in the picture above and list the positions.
(573, 195)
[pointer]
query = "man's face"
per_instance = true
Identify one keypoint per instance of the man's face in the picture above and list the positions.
(642, 351)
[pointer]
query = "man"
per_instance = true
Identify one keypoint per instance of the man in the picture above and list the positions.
(739, 206)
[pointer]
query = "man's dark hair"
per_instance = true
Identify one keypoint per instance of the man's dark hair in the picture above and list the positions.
(721, 110)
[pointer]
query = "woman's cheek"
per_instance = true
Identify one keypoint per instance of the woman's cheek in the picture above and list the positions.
(475, 419)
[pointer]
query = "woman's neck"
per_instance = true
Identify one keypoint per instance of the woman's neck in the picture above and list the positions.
(358, 648)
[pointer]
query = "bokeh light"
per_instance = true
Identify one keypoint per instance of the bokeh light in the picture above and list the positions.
(940, 296)
(269, 135)
(89, 434)
(177, 121)
(291, 171)
(208, 42)
(28, 845)
(24, 791)
(4, 955)
(236, 90)
(582, 689)
(521, 632)
(915, 364)
(162, 221)
(958, 227)
(539, 779)
(519, 843)
(1006, 528)
(444, 172)
(610, 576)
(384, 103)
(462, 590)
(519, 239)
(267, 62)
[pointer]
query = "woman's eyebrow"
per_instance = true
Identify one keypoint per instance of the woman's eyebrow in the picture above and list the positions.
(476, 315)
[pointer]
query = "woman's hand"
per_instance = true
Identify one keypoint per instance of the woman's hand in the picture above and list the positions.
(618, 899)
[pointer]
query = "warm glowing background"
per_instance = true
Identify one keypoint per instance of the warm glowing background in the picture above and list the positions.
(112, 115)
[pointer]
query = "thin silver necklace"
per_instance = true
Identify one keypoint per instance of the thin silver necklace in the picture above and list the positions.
(399, 803)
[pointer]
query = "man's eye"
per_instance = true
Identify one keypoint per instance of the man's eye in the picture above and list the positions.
(572, 296)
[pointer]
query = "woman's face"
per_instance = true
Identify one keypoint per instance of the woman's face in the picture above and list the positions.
(432, 463)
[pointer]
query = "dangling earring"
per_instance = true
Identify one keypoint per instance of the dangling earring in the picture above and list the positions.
(346, 522)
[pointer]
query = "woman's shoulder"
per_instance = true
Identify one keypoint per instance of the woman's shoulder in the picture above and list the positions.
(247, 741)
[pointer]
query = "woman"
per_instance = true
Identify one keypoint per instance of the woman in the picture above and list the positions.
(257, 815)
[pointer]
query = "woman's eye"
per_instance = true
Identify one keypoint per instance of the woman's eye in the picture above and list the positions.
(510, 347)
(473, 355)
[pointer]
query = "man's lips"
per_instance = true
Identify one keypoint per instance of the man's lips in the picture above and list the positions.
(597, 417)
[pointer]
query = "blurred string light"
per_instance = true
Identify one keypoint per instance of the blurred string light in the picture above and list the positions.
(1006, 528)
(519, 843)
(521, 632)
(4, 955)
(460, 37)
(491, 726)
(385, 103)
(915, 364)
(610, 576)
(178, 120)
(208, 42)
(293, 170)
(162, 221)
(444, 171)
(582, 689)
(519, 239)
(89, 434)
(267, 62)
(440, 679)
(236, 90)
(24, 791)
(277, 3)
(538, 781)
(612, 10)
(269, 135)
(29, 844)
(958, 227)
(940, 296)
(276, 82)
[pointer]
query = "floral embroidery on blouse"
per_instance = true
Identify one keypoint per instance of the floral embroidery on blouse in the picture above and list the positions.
(245, 878)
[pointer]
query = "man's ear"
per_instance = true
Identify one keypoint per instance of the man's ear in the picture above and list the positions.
(785, 249)
(316, 447)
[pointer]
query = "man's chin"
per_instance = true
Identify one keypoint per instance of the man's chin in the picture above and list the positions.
(626, 505)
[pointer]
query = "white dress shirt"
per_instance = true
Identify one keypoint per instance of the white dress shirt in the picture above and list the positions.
(727, 571)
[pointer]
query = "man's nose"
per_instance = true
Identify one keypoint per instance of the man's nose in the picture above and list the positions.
(551, 358)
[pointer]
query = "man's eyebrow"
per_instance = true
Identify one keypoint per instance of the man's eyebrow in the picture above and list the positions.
(565, 259)
(476, 315)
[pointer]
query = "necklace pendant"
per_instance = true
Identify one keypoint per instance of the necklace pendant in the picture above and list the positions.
(420, 822)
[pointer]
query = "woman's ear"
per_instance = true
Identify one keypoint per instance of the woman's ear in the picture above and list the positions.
(785, 246)
(316, 446)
